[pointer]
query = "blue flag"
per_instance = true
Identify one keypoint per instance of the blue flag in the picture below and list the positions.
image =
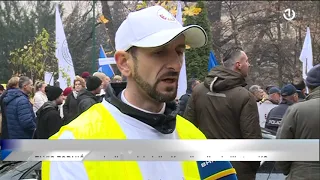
(212, 61)
(105, 68)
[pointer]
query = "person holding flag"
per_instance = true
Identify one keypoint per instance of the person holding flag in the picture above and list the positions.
(150, 45)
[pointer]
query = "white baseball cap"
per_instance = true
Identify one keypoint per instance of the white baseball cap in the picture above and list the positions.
(155, 26)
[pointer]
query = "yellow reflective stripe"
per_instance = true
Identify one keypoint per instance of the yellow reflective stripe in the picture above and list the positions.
(221, 174)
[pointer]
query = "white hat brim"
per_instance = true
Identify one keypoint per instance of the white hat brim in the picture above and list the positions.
(195, 37)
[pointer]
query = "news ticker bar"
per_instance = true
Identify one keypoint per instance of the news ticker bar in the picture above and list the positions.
(160, 150)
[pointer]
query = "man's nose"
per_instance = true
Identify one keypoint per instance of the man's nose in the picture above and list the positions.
(175, 62)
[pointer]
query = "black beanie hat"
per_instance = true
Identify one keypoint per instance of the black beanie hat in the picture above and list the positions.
(93, 83)
(313, 77)
(53, 92)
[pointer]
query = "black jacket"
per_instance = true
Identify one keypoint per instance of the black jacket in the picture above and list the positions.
(48, 120)
(276, 114)
(85, 100)
(183, 103)
(70, 108)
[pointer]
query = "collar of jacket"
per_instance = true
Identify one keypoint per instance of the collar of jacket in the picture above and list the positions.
(314, 94)
(164, 123)
(284, 101)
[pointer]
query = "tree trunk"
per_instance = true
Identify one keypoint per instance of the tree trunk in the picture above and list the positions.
(280, 57)
(111, 31)
(214, 16)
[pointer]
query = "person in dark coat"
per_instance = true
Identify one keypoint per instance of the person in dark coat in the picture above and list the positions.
(289, 96)
(300, 85)
(222, 108)
(302, 122)
(184, 98)
(20, 118)
(70, 106)
(88, 97)
(13, 83)
(48, 116)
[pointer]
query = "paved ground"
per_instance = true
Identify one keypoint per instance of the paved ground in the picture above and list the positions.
(274, 176)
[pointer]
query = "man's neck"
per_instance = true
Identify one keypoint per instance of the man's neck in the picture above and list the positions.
(25, 92)
(140, 100)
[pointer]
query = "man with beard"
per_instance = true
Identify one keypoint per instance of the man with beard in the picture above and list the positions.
(150, 45)
(223, 108)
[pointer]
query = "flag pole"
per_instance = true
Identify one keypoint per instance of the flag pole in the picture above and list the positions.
(93, 37)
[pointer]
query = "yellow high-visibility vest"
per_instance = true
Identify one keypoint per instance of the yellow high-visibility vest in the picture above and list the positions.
(98, 123)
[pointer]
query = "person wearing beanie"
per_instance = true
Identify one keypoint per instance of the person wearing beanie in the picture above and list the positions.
(48, 116)
(302, 121)
(88, 97)
(289, 97)
(85, 75)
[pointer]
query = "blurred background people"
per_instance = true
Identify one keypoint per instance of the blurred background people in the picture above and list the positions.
(13, 83)
(257, 92)
(299, 84)
(289, 96)
(105, 82)
(70, 106)
(88, 97)
(40, 96)
(85, 75)
(20, 117)
(273, 95)
(117, 79)
(302, 122)
(192, 83)
(49, 120)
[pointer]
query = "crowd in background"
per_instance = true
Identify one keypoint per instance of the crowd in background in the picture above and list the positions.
(37, 110)
(222, 107)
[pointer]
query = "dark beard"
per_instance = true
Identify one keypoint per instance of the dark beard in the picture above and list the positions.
(151, 90)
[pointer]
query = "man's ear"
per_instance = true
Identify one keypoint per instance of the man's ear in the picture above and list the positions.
(122, 59)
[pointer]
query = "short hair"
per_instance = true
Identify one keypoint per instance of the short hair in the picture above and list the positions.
(117, 77)
(39, 84)
(254, 88)
(100, 75)
(1, 87)
(81, 80)
(13, 82)
(232, 53)
(23, 80)
(299, 84)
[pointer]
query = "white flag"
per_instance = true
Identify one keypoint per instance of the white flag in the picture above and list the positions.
(182, 83)
(65, 63)
(306, 54)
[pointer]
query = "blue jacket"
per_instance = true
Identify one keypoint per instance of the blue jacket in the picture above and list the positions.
(19, 114)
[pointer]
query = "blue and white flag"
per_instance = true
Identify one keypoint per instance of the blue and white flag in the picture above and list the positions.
(104, 63)
(66, 69)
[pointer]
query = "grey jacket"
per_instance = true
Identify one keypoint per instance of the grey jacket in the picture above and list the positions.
(301, 121)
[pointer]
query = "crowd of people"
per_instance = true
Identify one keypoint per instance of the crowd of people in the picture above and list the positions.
(220, 107)
(27, 116)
